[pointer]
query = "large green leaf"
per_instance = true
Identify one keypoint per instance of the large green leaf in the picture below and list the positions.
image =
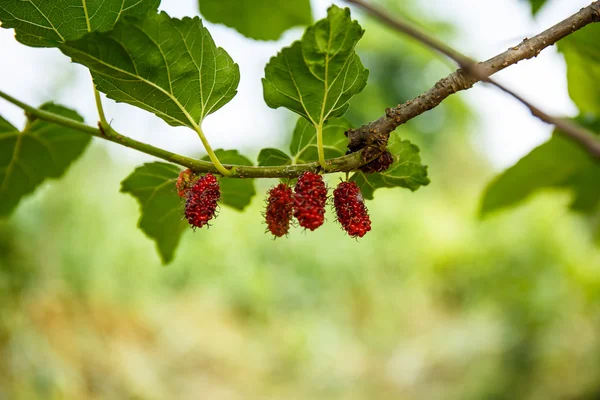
(406, 171)
(236, 193)
(167, 66)
(582, 55)
(47, 23)
(317, 76)
(258, 19)
(558, 163)
(43, 150)
(153, 185)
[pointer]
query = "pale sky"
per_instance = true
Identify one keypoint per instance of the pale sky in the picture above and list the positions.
(487, 28)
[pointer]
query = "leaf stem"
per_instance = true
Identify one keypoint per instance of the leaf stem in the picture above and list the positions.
(103, 122)
(341, 164)
(211, 154)
(320, 149)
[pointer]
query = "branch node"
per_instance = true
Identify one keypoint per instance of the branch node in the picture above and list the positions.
(101, 129)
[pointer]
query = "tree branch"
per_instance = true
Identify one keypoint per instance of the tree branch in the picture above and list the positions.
(368, 141)
(340, 164)
(471, 72)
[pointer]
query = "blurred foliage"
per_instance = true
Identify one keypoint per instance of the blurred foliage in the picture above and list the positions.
(582, 56)
(560, 162)
(432, 304)
(248, 17)
(536, 6)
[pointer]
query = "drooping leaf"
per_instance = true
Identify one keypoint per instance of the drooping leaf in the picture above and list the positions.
(406, 171)
(258, 19)
(164, 65)
(273, 157)
(48, 23)
(582, 55)
(236, 193)
(153, 185)
(304, 140)
(558, 163)
(317, 76)
(536, 6)
(43, 150)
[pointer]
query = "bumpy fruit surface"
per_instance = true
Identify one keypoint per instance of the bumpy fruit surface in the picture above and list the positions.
(310, 196)
(201, 203)
(185, 181)
(280, 204)
(350, 208)
(379, 164)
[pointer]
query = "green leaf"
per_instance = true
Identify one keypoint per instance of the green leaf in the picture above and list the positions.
(586, 189)
(248, 17)
(317, 76)
(43, 150)
(304, 140)
(536, 6)
(582, 55)
(153, 185)
(47, 23)
(558, 163)
(406, 171)
(273, 157)
(236, 193)
(164, 65)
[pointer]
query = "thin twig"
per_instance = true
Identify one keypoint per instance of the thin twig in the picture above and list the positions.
(480, 72)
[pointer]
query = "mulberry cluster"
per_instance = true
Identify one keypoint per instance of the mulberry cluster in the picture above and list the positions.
(306, 203)
(280, 205)
(201, 203)
(350, 208)
(379, 164)
(310, 196)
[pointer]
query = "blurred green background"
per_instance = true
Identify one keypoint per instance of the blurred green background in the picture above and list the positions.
(432, 304)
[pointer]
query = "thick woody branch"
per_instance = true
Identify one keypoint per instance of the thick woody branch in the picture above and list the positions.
(471, 72)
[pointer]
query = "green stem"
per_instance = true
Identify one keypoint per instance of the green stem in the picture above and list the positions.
(320, 149)
(103, 122)
(341, 164)
(211, 154)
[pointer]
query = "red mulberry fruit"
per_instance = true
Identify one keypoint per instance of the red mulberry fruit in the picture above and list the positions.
(201, 203)
(309, 200)
(351, 210)
(279, 209)
(185, 181)
(379, 164)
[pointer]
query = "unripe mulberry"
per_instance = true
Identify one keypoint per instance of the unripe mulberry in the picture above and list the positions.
(379, 164)
(310, 196)
(185, 181)
(201, 203)
(280, 205)
(351, 210)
